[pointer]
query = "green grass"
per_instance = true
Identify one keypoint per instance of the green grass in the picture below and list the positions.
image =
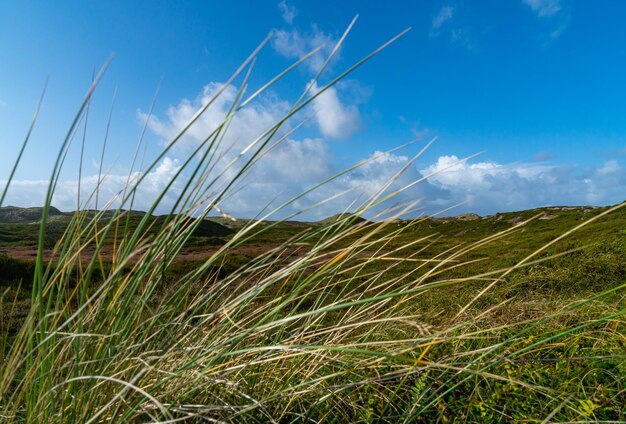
(505, 318)
(584, 368)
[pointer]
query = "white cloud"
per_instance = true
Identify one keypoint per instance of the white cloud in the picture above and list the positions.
(372, 179)
(246, 125)
(554, 19)
(285, 171)
(463, 37)
(488, 187)
(287, 11)
(443, 24)
(556, 33)
(444, 15)
(609, 167)
(544, 8)
(291, 167)
(294, 44)
(32, 192)
(419, 132)
(334, 118)
(2, 103)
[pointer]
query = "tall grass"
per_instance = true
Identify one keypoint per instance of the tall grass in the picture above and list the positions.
(330, 325)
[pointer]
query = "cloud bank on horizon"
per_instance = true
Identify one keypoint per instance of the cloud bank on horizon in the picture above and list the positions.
(297, 165)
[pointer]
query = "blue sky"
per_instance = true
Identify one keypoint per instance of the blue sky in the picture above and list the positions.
(538, 86)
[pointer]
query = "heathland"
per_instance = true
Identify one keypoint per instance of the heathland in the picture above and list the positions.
(450, 318)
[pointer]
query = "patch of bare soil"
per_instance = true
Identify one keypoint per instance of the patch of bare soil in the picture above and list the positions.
(29, 253)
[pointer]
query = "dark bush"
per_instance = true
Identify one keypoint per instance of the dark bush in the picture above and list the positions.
(12, 271)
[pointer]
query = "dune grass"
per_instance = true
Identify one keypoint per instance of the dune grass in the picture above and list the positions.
(345, 321)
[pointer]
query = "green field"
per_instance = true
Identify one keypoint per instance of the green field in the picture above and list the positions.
(341, 320)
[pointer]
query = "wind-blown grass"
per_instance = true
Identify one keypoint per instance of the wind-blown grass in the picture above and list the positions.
(341, 322)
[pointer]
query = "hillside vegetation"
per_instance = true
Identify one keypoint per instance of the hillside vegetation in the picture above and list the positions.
(552, 330)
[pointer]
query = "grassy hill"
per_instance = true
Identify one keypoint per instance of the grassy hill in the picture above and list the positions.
(19, 226)
(16, 215)
(343, 217)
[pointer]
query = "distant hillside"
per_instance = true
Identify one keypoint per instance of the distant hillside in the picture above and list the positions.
(108, 213)
(207, 228)
(239, 223)
(15, 215)
(16, 225)
(343, 216)
(230, 223)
